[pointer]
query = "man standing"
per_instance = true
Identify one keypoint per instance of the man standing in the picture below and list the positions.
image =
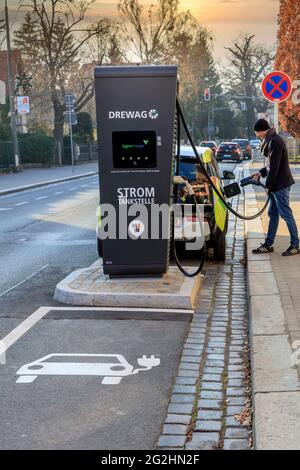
(279, 180)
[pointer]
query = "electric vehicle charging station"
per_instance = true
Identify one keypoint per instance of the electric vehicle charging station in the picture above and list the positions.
(135, 108)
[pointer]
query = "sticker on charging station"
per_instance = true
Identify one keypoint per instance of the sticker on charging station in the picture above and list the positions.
(136, 228)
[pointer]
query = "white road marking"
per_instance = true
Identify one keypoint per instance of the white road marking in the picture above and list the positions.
(41, 197)
(24, 280)
(5, 208)
(72, 189)
(20, 330)
(110, 366)
(59, 192)
(36, 316)
(83, 185)
(21, 203)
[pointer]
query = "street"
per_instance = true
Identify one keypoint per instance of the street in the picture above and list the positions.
(45, 234)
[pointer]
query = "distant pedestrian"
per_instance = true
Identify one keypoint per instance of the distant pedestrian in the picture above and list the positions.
(279, 180)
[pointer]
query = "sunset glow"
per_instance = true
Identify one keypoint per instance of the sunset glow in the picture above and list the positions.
(224, 18)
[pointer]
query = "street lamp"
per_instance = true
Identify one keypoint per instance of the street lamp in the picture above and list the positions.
(11, 91)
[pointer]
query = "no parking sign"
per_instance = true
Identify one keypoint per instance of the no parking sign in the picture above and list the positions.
(277, 87)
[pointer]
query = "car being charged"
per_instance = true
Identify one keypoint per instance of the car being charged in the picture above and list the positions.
(215, 215)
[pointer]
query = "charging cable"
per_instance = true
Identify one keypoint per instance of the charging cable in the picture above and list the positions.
(180, 116)
(182, 180)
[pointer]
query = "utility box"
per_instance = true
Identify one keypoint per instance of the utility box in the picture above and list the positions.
(135, 107)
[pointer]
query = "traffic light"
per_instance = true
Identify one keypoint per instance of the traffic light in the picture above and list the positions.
(207, 94)
(23, 82)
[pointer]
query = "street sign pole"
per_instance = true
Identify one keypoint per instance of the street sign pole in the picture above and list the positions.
(11, 91)
(276, 118)
(72, 149)
(71, 137)
(69, 100)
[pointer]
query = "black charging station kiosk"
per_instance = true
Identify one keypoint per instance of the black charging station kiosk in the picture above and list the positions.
(135, 107)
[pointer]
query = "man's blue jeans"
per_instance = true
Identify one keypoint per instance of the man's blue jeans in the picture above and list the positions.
(280, 206)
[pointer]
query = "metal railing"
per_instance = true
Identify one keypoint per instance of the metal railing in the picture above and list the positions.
(6, 155)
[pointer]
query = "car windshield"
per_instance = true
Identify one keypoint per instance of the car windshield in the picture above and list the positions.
(242, 143)
(228, 146)
(207, 144)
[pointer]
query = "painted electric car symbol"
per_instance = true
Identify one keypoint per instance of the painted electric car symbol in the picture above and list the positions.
(112, 367)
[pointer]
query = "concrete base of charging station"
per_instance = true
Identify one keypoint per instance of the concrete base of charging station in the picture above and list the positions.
(91, 287)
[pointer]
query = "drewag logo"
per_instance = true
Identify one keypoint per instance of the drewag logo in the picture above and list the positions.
(144, 114)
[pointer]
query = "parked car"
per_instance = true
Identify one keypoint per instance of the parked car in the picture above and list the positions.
(229, 151)
(245, 148)
(209, 143)
(255, 143)
(215, 237)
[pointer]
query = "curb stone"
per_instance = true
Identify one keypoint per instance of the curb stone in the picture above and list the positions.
(19, 189)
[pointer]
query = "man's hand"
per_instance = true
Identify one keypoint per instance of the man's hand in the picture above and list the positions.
(267, 191)
(256, 176)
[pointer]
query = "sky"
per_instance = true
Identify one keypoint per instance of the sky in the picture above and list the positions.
(224, 18)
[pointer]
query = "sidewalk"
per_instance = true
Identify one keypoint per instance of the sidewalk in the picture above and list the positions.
(40, 176)
(275, 327)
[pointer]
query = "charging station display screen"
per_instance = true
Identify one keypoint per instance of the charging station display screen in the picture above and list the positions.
(134, 149)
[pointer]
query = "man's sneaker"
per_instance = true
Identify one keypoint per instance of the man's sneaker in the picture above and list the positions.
(291, 251)
(263, 248)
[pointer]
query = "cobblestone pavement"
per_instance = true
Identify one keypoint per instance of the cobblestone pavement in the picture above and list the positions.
(209, 407)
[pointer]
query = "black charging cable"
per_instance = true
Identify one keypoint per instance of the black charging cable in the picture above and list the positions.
(174, 251)
(202, 251)
(219, 194)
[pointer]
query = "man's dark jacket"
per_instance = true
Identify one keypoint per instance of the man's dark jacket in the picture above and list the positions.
(279, 176)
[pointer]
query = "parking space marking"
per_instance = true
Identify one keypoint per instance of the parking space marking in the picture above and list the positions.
(5, 208)
(41, 197)
(58, 192)
(36, 316)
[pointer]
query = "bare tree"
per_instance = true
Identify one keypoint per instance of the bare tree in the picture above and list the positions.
(104, 48)
(51, 39)
(248, 63)
(148, 33)
(2, 32)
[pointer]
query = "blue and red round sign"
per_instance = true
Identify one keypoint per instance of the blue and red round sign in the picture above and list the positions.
(277, 87)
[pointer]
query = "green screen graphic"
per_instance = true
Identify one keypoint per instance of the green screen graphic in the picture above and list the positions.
(134, 149)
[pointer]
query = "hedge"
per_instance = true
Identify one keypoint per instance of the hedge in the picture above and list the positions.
(36, 148)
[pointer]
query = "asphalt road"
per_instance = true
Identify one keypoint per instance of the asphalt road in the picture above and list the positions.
(44, 235)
